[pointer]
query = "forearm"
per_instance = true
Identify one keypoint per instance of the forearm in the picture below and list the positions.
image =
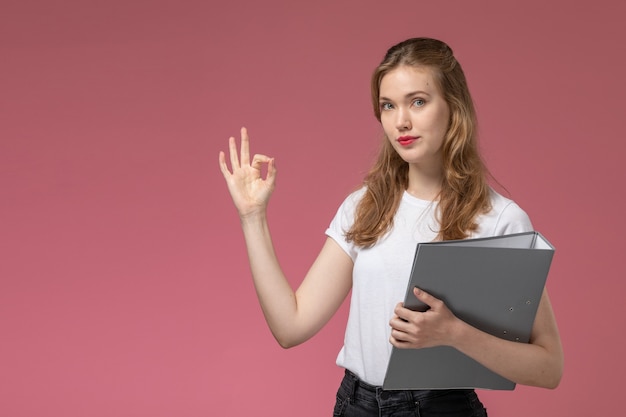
(523, 363)
(276, 297)
(538, 363)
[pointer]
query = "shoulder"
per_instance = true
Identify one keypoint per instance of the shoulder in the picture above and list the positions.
(349, 204)
(505, 217)
(354, 197)
(343, 221)
(505, 208)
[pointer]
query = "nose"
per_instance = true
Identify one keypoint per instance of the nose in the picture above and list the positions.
(403, 121)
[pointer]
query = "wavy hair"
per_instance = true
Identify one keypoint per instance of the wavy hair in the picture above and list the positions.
(464, 191)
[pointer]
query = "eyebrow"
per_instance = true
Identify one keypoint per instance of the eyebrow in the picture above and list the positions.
(408, 95)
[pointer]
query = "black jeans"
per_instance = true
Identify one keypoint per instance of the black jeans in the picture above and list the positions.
(358, 399)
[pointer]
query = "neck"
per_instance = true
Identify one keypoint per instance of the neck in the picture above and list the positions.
(424, 184)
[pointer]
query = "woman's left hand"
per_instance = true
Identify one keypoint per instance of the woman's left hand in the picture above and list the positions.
(414, 329)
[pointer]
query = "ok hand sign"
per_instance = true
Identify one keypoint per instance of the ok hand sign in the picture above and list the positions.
(249, 191)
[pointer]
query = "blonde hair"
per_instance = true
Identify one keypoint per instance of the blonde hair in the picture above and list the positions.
(464, 192)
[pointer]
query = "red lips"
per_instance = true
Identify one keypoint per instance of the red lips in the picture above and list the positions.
(406, 140)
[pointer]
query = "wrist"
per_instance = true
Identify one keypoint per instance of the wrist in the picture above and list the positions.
(458, 333)
(253, 217)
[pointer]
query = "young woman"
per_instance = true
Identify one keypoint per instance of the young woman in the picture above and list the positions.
(428, 184)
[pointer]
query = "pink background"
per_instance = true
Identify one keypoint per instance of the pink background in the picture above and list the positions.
(124, 285)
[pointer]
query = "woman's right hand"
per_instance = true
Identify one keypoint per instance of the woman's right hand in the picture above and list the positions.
(249, 191)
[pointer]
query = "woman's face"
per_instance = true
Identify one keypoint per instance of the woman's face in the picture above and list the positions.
(414, 114)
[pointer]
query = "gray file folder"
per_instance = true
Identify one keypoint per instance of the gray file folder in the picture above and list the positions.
(494, 284)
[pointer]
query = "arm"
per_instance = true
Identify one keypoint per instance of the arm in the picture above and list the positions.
(293, 317)
(537, 363)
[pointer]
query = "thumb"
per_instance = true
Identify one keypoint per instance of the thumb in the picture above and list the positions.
(426, 298)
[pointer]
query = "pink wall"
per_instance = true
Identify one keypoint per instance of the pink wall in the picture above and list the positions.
(124, 287)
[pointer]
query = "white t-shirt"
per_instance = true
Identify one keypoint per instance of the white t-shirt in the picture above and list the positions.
(380, 273)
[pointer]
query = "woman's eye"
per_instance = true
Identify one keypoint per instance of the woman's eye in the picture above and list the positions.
(386, 106)
(419, 102)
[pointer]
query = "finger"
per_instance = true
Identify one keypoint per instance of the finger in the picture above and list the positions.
(402, 313)
(258, 160)
(399, 338)
(399, 324)
(271, 171)
(245, 147)
(232, 149)
(400, 310)
(394, 338)
(397, 343)
(223, 166)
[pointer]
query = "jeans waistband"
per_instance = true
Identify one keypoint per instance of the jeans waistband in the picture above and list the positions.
(358, 398)
(354, 384)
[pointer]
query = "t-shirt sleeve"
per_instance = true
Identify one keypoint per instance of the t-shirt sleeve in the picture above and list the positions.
(513, 219)
(342, 222)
